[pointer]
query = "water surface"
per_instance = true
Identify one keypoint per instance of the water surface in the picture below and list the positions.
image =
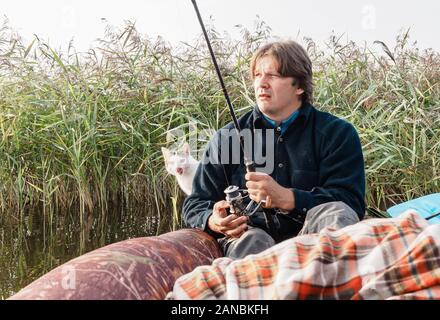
(35, 243)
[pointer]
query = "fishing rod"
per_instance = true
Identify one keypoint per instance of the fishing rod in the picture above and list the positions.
(250, 166)
(233, 196)
(433, 216)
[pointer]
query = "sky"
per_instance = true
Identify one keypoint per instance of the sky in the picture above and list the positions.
(60, 21)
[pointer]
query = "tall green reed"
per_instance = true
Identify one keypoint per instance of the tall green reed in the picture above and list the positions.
(85, 129)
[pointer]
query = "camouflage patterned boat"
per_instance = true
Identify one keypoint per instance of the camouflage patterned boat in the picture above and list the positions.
(141, 268)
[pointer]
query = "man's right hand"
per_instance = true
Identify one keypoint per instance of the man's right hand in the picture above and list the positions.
(229, 225)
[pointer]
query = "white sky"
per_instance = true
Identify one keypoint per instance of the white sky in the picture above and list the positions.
(61, 20)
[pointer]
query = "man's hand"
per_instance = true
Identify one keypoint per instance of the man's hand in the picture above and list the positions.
(262, 186)
(229, 225)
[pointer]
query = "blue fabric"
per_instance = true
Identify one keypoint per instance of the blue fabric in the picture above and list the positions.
(425, 206)
(284, 124)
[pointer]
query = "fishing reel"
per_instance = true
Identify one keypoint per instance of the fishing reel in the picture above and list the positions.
(236, 201)
(237, 206)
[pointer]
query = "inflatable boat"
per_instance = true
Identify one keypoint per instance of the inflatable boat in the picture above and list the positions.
(141, 268)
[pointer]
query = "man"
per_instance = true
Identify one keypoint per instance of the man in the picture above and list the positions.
(317, 176)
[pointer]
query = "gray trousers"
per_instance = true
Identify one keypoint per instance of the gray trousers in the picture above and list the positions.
(335, 215)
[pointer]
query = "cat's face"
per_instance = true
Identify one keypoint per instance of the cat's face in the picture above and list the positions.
(177, 162)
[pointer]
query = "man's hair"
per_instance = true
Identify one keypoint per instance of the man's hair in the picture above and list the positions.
(293, 61)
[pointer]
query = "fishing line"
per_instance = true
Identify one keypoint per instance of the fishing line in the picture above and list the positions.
(250, 167)
(187, 36)
(180, 18)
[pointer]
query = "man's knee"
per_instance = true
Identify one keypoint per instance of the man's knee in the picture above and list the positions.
(334, 215)
(254, 240)
(257, 234)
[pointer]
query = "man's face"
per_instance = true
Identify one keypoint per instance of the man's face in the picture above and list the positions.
(276, 97)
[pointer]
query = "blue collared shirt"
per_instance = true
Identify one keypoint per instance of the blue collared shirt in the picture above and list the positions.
(285, 123)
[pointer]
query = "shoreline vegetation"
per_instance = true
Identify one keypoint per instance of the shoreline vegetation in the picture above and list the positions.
(80, 133)
(85, 129)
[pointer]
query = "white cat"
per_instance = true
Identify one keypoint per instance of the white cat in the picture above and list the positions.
(182, 165)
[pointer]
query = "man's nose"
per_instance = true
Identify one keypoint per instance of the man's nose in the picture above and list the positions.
(263, 83)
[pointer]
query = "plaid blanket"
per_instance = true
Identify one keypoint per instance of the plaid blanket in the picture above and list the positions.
(396, 258)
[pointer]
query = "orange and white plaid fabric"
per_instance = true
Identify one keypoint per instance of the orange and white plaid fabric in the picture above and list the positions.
(397, 258)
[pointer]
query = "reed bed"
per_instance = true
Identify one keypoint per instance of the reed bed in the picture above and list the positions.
(85, 129)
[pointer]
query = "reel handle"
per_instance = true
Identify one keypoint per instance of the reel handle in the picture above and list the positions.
(250, 166)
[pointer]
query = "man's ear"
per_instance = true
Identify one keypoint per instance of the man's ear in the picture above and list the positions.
(166, 153)
(186, 148)
(298, 90)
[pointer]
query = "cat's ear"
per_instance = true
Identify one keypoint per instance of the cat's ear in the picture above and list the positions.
(186, 148)
(166, 153)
